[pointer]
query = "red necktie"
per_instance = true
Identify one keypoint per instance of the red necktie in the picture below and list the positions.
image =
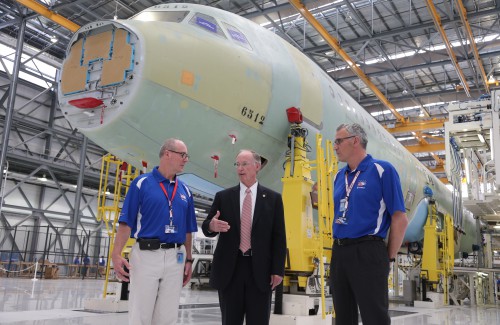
(246, 222)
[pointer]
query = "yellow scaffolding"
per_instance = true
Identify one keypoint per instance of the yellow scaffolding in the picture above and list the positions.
(108, 212)
(326, 167)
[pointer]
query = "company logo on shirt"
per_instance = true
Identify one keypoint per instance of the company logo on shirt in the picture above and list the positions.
(183, 197)
(361, 184)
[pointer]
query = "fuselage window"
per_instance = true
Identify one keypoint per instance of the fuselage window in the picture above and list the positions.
(207, 23)
(237, 36)
(166, 16)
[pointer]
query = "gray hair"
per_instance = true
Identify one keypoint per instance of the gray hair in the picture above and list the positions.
(255, 155)
(356, 130)
(169, 144)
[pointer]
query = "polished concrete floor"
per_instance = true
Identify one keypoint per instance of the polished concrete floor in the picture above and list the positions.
(55, 302)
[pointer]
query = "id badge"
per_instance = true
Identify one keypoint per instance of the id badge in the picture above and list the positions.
(170, 229)
(342, 220)
(180, 257)
(342, 205)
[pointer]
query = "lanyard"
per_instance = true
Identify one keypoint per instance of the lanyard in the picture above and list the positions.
(170, 205)
(348, 188)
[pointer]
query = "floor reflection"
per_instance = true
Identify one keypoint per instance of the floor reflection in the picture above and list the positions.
(55, 302)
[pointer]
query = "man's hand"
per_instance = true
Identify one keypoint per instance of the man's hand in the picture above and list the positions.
(187, 273)
(119, 263)
(275, 281)
(217, 225)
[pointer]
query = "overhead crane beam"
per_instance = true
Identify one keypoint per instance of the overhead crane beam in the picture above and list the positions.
(444, 180)
(422, 141)
(49, 14)
(437, 169)
(468, 31)
(335, 45)
(428, 147)
(437, 22)
(418, 126)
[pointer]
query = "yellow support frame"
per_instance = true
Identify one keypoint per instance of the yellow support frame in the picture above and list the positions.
(439, 250)
(307, 243)
(297, 185)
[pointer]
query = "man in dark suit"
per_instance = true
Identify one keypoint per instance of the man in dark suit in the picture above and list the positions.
(249, 260)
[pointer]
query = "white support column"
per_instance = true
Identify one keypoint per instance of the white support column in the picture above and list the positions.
(488, 252)
(495, 133)
(491, 288)
(472, 293)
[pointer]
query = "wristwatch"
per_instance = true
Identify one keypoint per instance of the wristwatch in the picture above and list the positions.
(392, 260)
(190, 260)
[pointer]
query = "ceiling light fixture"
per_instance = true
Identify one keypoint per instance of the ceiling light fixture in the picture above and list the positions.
(481, 138)
(421, 114)
(53, 39)
(404, 92)
(43, 178)
(497, 226)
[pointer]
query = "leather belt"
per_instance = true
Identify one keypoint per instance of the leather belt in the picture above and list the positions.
(170, 245)
(352, 241)
(248, 253)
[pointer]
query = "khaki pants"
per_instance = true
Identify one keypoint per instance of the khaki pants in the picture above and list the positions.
(155, 286)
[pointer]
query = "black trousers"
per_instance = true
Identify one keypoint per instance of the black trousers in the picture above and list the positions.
(358, 277)
(242, 299)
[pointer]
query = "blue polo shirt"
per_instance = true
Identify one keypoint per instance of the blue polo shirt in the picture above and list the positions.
(375, 196)
(146, 209)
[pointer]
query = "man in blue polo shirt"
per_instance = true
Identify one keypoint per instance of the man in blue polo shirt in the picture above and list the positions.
(158, 212)
(368, 201)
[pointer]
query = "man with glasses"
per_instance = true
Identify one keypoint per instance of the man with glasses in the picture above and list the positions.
(158, 212)
(368, 201)
(249, 260)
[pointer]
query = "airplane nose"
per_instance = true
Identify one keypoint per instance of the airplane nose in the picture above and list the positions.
(100, 61)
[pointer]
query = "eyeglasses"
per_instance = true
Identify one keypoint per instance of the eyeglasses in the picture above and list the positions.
(340, 140)
(183, 154)
(243, 164)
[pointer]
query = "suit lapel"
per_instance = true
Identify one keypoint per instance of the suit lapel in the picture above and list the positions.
(259, 204)
(235, 203)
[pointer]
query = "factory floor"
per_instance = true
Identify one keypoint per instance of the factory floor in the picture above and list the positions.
(61, 301)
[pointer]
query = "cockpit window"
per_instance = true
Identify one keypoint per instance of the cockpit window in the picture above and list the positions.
(166, 16)
(237, 36)
(208, 23)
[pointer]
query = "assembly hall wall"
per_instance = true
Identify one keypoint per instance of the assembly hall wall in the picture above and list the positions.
(38, 193)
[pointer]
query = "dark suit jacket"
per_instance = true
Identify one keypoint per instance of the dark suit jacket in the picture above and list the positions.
(268, 237)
